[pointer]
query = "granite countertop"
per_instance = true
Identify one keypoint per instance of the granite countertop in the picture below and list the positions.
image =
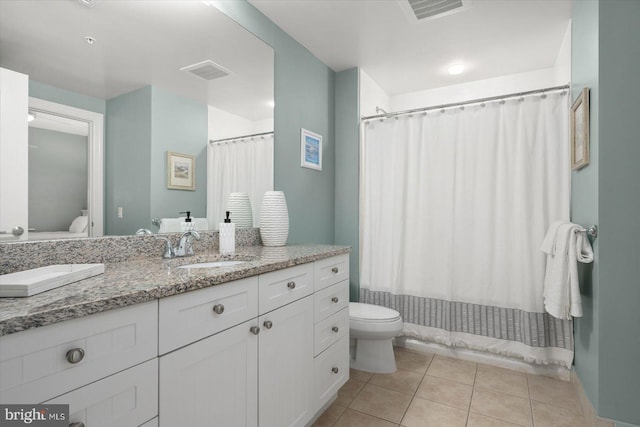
(132, 282)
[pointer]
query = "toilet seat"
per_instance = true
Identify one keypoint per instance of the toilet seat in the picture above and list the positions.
(372, 313)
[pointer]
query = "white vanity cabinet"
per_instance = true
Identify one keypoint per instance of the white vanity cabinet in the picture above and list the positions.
(331, 330)
(268, 351)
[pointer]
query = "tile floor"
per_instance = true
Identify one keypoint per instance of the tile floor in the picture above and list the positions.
(437, 391)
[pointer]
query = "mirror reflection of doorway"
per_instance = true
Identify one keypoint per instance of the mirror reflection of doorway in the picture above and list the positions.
(58, 177)
(65, 171)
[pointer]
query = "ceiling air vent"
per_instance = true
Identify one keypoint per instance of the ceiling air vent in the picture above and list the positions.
(424, 10)
(207, 70)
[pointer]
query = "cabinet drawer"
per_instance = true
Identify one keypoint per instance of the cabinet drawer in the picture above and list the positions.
(329, 271)
(281, 287)
(126, 399)
(331, 300)
(34, 365)
(331, 371)
(331, 330)
(198, 314)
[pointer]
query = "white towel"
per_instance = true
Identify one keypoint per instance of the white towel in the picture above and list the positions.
(172, 225)
(564, 245)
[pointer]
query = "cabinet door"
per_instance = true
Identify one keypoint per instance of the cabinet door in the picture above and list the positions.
(286, 365)
(212, 382)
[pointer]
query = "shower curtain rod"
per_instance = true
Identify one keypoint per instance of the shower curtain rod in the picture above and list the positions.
(212, 141)
(460, 104)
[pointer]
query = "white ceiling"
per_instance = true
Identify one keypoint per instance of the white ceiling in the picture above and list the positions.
(138, 43)
(492, 37)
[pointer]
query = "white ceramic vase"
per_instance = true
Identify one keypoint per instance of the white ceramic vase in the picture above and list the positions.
(274, 219)
(240, 207)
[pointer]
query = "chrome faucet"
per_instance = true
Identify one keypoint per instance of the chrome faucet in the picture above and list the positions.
(168, 251)
(185, 247)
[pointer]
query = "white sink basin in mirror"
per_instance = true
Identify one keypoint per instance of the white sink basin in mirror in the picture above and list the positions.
(213, 264)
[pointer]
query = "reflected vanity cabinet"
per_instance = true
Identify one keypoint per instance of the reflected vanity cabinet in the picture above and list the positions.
(269, 350)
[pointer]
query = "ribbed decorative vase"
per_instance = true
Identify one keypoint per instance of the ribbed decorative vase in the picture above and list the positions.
(274, 219)
(240, 207)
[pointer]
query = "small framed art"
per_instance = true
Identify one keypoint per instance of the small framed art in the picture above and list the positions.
(310, 150)
(580, 131)
(181, 169)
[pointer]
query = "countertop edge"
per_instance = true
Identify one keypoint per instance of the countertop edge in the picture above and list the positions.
(55, 315)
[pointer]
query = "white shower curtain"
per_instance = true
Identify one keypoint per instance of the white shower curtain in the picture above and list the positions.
(242, 165)
(454, 208)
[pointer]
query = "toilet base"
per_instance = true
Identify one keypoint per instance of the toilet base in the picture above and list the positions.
(374, 356)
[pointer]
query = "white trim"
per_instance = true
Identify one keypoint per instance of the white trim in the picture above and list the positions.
(95, 180)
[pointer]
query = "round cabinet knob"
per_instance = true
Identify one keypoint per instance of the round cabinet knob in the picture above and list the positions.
(218, 308)
(255, 330)
(335, 299)
(335, 370)
(77, 424)
(75, 355)
(291, 285)
(335, 329)
(335, 270)
(268, 324)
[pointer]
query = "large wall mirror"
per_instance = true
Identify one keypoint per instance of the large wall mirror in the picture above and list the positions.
(166, 77)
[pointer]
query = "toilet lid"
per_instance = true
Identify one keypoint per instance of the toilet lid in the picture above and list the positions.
(372, 312)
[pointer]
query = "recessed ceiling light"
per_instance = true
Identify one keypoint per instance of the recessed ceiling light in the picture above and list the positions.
(31, 116)
(90, 40)
(455, 69)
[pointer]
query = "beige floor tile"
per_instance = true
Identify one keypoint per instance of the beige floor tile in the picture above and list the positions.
(452, 369)
(400, 380)
(348, 391)
(351, 418)
(477, 420)
(502, 406)
(329, 416)
(545, 415)
(445, 391)
(412, 361)
(554, 392)
(381, 402)
(502, 380)
(425, 413)
(360, 375)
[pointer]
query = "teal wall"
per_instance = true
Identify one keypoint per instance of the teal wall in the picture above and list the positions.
(66, 97)
(584, 194)
(127, 165)
(304, 98)
(619, 193)
(180, 125)
(347, 123)
(141, 127)
(606, 57)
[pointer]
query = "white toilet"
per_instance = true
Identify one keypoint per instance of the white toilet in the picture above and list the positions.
(372, 327)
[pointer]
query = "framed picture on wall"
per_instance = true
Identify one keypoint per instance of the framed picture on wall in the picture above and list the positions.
(580, 131)
(181, 171)
(310, 150)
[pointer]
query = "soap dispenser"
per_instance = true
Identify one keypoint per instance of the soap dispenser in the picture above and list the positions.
(187, 224)
(227, 235)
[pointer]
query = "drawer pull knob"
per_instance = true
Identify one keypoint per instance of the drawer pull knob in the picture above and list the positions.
(255, 330)
(335, 329)
(218, 308)
(75, 355)
(335, 300)
(291, 285)
(76, 424)
(268, 324)
(335, 270)
(335, 370)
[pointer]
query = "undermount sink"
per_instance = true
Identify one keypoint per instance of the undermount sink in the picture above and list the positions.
(213, 264)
